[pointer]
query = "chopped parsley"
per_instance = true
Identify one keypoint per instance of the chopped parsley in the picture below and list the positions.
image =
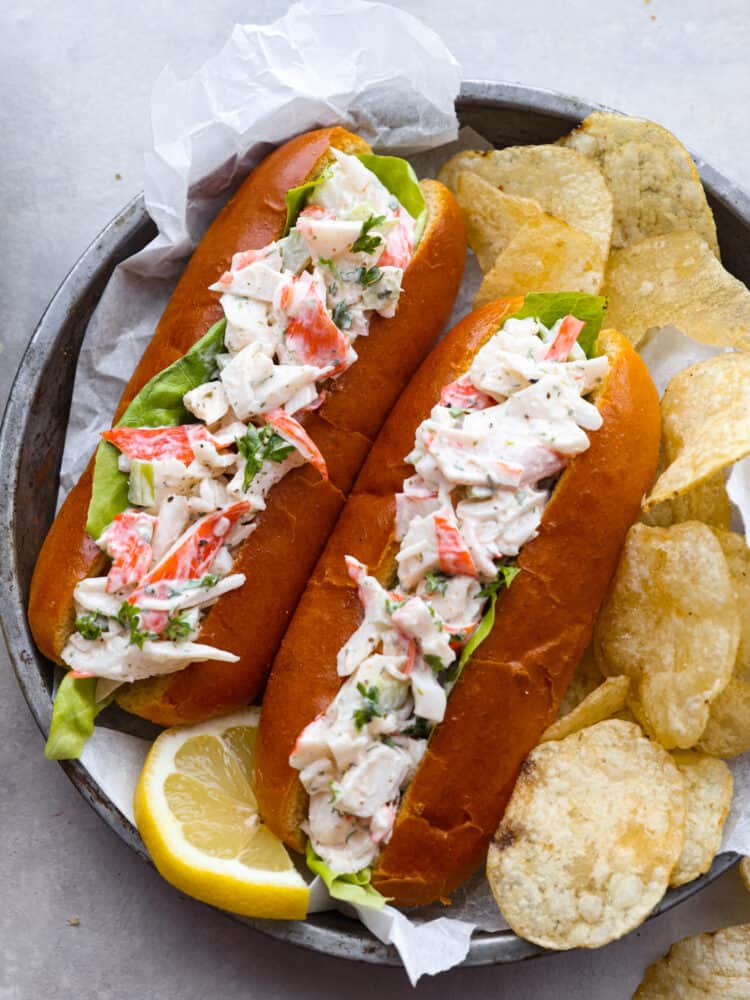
(394, 605)
(434, 614)
(338, 276)
(419, 729)
(341, 316)
(129, 616)
(207, 581)
(365, 243)
(452, 673)
(369, 276)
(177, 627)
(89, 626)
(435, 662)
(435, 583)
(505, 576)
(370, 705)
(258, 445)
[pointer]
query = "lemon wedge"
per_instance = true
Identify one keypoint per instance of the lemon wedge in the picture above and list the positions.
(197, 814)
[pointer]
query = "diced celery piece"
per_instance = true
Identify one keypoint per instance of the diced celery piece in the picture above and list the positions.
(141, 491)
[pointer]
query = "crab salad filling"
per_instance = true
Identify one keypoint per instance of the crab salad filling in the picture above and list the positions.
(485, 462)
(294, 311)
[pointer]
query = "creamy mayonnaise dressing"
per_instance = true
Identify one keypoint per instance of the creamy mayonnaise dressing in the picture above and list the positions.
(484, 460)
(294, 311)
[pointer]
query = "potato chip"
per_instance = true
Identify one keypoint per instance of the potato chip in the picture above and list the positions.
(728, 729)
(702, 967)
(697, 393)
(600, 704)
(625, 715)
(591, 833)
(708, 795)
(708, 502)
(675, 279)
(586, 677)
(566, 184)
(671, 623)
(546, 255)
(492, 217)
(706, 423)
(654, 182)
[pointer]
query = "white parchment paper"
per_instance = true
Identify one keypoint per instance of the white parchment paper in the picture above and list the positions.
(382, 73)
(371, 67)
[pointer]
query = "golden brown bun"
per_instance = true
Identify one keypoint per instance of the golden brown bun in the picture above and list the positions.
(510, 690)
(302, 509)
(304, 680)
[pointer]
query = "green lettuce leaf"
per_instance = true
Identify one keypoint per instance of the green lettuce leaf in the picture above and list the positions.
(549, 307)
(355, 889)
(505, 577)
(296, 198)
(481, 632)
(398, 176)
(394, 173)
(73, 717)
(158, 404)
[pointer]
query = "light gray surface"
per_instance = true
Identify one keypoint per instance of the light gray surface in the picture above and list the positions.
(75, 115)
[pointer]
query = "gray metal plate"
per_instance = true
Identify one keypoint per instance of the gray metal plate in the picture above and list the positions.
(33, 431)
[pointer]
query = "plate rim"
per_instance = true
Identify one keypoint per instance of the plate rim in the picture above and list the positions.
(322, 933)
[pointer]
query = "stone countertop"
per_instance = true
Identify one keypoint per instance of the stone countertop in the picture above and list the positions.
(81, 915)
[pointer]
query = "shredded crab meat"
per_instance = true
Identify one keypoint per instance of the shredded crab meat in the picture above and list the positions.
(483, 462)
(293, 311)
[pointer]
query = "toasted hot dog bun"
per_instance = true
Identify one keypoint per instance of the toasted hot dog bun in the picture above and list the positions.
(302, 509)
(510, 690)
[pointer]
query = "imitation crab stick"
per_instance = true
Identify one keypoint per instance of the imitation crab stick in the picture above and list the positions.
(566, 336)
(128, 541)
(149, 443)
(313, 336)
(295, 434)
(464, 395)
(193, 554)
(454, 557)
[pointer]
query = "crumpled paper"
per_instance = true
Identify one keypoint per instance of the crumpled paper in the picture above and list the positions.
(382, 73)
(373, 68)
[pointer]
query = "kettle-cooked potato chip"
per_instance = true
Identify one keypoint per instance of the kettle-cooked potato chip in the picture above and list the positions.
(706, 424)
(586, 677)
(745, 872)
(676, 279)
(671, 623)
(546, 255)
(599, 704)
(708, 795)
(728, 729)
(589, 838)
(707, 502)
(702, 967)
(652, 177)
(492, 217)
(566, 184)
